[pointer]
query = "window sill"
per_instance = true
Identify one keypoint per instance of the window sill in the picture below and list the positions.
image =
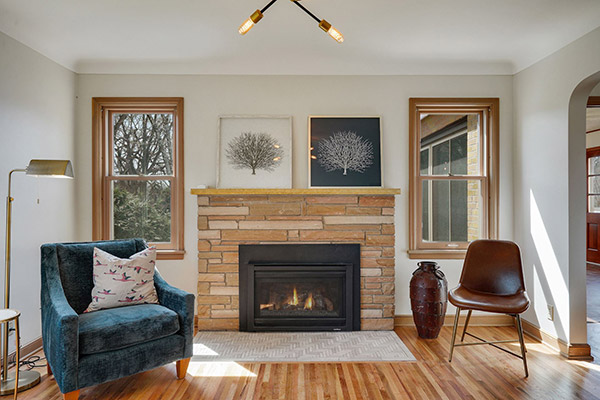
(170, 254)
(437, 254)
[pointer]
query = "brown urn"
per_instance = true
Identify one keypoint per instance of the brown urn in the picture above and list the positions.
(428, 299)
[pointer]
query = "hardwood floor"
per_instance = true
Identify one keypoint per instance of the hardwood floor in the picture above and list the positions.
(476, 372)
(593, 308)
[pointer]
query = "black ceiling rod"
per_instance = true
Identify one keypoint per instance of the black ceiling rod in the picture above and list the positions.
(265, 8)
(297, 2)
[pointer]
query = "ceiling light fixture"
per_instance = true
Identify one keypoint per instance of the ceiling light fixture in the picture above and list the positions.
(258, 14)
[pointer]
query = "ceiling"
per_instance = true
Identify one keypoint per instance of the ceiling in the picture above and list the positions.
(383, 37)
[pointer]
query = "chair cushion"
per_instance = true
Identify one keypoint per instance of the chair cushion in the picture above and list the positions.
(472, 300)
(118, 328)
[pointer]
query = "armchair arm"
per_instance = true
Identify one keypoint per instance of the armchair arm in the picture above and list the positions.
(182, 303)
(60, 325)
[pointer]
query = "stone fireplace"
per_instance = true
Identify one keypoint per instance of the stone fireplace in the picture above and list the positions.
(228, 218)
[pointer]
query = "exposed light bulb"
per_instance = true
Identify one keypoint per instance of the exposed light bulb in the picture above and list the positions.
(250, 22)
(246, 26)
(334, 33)
(331, 31)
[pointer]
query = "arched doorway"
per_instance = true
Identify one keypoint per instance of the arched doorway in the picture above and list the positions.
(578, 207)
(593, 222)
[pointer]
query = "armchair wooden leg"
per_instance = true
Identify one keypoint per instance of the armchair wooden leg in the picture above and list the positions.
(48, 369)
(462, 338)
(74, 395)
(522, 342)
(182, 366)
(454, 333)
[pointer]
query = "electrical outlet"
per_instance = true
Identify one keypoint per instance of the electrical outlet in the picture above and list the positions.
(550, 312)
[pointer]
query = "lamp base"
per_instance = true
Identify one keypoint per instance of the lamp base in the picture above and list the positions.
(27, 379)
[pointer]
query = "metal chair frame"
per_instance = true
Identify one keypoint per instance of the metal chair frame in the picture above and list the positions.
(491, 343)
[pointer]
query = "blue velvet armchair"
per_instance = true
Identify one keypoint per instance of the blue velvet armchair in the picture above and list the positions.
(88, 349)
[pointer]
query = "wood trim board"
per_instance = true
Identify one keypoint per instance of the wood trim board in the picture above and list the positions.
(314, 191)
(572, 351)
(27, 349)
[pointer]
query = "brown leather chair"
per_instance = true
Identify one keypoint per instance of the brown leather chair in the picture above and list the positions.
(491, 281)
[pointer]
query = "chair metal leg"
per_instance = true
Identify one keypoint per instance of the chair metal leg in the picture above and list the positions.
(462, 338)
(454, 333)
(523, 351)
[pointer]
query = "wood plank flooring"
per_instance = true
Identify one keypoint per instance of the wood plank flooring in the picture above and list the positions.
(476, 372)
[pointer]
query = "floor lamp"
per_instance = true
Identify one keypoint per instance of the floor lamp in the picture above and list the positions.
(49, 168)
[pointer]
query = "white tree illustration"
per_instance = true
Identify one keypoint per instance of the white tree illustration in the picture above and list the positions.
(254, 151)
(346, 151)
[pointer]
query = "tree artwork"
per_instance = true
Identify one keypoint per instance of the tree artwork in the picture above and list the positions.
(345, 151)
(254, 151)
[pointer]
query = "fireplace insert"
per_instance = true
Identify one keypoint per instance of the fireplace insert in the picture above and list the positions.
(306, 287)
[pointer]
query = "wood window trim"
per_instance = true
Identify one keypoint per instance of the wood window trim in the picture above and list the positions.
(489, 160)
(100, 146)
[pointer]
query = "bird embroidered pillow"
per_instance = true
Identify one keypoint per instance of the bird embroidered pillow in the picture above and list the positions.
(122, 282)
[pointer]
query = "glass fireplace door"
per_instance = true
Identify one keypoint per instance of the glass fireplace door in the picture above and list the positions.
(300, 296)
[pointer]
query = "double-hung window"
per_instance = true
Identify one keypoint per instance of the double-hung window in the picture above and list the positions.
(138, 171)
(453, 175)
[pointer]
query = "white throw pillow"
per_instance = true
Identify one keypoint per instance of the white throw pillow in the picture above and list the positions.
(122, 282)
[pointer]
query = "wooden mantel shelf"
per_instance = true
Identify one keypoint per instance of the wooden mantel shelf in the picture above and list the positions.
(313, 191)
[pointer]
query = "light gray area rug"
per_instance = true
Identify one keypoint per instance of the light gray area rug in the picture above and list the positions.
(363, 346)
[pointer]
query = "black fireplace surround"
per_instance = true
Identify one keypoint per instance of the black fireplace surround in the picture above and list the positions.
(299, 287)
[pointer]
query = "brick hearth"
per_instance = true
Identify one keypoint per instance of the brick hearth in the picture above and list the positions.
(293, 216)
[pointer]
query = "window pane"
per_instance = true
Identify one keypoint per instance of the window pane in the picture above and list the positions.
(594, 166)
(425, 162)
(440, 212)
(458, 155)
(142, 209)
(458, 211)
(441, 158)
(453, 214)
(455, 143)
(594, 185)
(425, 205)
(142, 144)
(594, 204)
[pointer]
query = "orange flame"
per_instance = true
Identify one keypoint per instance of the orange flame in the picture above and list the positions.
(294, 301)
(308, 304)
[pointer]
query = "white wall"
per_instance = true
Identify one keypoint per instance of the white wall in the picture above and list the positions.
(36, 121)
(549, 182)
(207, 97)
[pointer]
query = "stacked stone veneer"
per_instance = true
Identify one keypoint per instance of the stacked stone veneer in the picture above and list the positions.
(224, 222)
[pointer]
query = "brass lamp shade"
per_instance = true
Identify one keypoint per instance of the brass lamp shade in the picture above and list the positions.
(54, 168)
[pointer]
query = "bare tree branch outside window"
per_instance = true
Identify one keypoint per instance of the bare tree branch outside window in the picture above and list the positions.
(142, 146)
(254, 151)
(346, 151)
